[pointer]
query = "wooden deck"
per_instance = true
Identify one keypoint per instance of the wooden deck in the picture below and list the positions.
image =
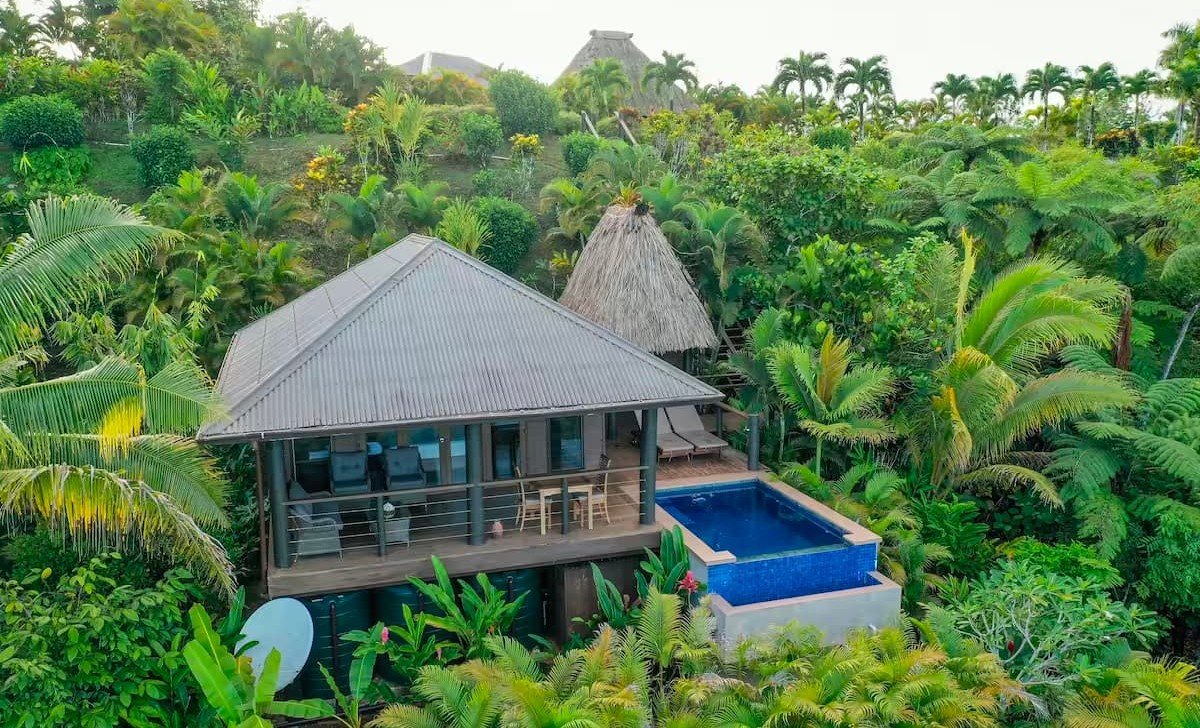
(361, 567)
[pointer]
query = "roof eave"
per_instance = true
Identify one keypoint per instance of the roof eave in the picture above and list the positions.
(227, 438)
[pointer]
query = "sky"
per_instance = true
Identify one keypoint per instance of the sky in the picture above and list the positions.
(740, 41)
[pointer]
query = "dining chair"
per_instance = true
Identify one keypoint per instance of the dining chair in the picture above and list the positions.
(598, 498)
(530, 502)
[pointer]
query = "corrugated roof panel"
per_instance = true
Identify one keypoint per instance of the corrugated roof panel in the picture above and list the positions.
(442, 337)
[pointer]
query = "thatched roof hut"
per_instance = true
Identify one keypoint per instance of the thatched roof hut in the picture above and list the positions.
(618, 44)
(629, 281)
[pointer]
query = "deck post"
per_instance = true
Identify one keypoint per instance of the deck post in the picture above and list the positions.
(649, 464)
(475, 479)
(276, 483)
(753, 442)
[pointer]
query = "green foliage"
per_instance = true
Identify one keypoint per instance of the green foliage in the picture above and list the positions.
(513, 229)
(794, 196)
(1043, 627)
(163, 71)
(1074, 560)
(956, 526)
(831, 137)
(481, 136)
(235, 695)
(162, 155)
(523, 105)
(53, 169)
(409, 646)
(81, 648)
(1172, 575)
(29, 122)
(665, 571)
(473, 613)
(577, 150)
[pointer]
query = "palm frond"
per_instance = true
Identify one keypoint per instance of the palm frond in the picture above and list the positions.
(100, 508)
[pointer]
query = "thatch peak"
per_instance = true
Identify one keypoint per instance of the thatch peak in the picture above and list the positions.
(629, 280)
(619, 44)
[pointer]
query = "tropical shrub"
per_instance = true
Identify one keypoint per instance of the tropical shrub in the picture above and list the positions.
(481, 136)
(577, 150)
(30, 122)
(1074, 560)
(81, 648)
(1172, 577)
(514, 230)
(463, 228)
(53, 169)
(831, 137)
(471, 614)
(163, 71)
(1043, 627)
(523, 105)
(162, 155)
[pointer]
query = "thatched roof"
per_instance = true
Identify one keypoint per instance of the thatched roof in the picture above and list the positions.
(618, 44)
(629, 281)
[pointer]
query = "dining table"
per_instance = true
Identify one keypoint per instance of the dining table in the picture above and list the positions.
(548, 494)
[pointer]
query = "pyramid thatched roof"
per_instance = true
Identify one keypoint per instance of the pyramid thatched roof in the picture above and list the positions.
(618, 44)
(629, 281)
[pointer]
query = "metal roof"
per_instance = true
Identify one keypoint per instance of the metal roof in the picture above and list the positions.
(422, 333)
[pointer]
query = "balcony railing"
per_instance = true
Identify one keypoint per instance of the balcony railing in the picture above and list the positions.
(426, 519)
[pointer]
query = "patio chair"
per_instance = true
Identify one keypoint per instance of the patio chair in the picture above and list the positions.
(530, 502)
(686, 423)
(316, 527)
(405, 476)
(670, 445)
(348, 472)
(599, 496)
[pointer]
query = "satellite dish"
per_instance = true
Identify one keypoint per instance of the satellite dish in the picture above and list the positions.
(280, 624)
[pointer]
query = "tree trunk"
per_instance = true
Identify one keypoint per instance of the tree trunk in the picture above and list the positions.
(1183, 331)
(1045, 112)
(1196, 122)
(1091, 137)
(817, 459)
(862, 120)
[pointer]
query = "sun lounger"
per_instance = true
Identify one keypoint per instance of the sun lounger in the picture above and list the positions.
(670, 445)
(687, 425)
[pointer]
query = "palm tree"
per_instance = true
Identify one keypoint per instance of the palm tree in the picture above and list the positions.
(1179, 58)
(955, 86)
(673, 70)
(463, 228)
(1035, 206)
(421, 206)
(1092, 83)
(721, 236)
(451, 698)
(258, 210)
(1136, 87)
(1141, 692)
(59, 25)
(869, 78)
(964, 146)
(577, 208)
(358, 215)
(803, 70)
(990, 392)
(832, 402)
(102, 455)
(1042, 83)
(994, 97)
(605, 79)
(18, 31)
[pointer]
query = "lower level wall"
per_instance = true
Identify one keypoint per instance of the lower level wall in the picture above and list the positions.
(834, 613)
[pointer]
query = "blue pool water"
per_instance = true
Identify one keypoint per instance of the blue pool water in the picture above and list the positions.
(748, 519)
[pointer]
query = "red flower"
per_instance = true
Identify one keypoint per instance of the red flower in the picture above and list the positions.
(1012, 646)
(383, 636)
(688, 584)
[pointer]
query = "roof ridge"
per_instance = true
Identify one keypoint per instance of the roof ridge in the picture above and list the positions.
(283, 371)
(607, 335)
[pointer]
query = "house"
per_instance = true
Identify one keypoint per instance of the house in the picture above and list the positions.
(423, 403)
(432, 62)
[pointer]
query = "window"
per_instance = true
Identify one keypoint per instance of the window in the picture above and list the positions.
(566, 444)
(506, 446)
(429, 443)
(457, 441)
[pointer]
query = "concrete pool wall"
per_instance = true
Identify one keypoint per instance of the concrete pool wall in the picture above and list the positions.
(833, 589)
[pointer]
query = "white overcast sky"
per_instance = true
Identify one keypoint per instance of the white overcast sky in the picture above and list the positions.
(739, 41)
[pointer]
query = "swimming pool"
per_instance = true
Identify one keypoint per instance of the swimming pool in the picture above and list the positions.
(748, 519)
(760, 542)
